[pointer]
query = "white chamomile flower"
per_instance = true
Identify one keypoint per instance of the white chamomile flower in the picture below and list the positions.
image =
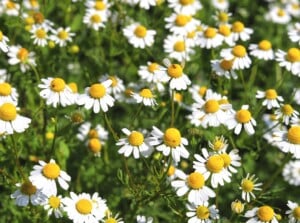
(210, 38)
(285, 113)
(223, 67)
(293, 33)
(220, 4)
(10, 8)
(290, 60)
(39, 35)
(100, 6)
(45, 175)
(31, 5)
(8, 93)
(86, 130)
(293, 212)
(262, 214)
(94, 20)
(202, 213)
(271, 99)
(181, 24)
(248, 185)
(239, 55)
(263, 50)
(54, 206)
(117, 86)
(20, 55)
(293, 8)
(291, 172)
(135, 144)
(240, 32)
(145, 96)
(112, 219)
(96, 97)
(278, 15)
(143, 219)
(189, 7)
(56, 92)
(3, 42)
(62, 36)
(226, 33)
(139, 36)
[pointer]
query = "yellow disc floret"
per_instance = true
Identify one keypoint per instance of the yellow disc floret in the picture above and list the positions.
(264, 45)
(179, 46)
(243, 116)
(94, 145)
(296, 213)
(238, 27)
(22, 55)
(175, 70)
(186, 2)
(146, 93)
(247, 185)
(226, 158)
(182, 20)
(226, 64)
(54, 201)
(63, 35)
(140, 31)
(51, 171)
(265, 213)
(5, 89)
(97, 91)
(195, 180)
(84, 206)
(28, 188)
(202, 212)
(136, 138)
(215, 164)
(152, 67)
(172, 137)
(57, 84)
(8, 112)
(293, 55)
(287, 109)
(211, 106)
(95, 18)
(293, 135)
(271, 94)
(210, 32)
(99, 5)
(239, 51)
(40, 33)
(224, 30)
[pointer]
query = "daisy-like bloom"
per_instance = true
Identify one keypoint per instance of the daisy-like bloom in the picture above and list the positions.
(28, 193)
(290, 60)
(56, 92)
(194, 186)
(285, 113)
(212, 165)
(219, 144)
(139, 36)
(223, 67)
(293, 8)
(172, 172)
(222, 5)
(291, 172)
(263, 50)
(96, 96)
(86, 130)
(202, 213)
(248, 186)
(112, 219)
(83, 208)
(95, 146)
(145, 96)
(3, 42)
(237, 206)
(198, 92)
(189, 7)
(39, 35)
(54, 206)
(143, 219)
(62, 35)
(181, 24)
(31, 5)
(117, 86)
(222, 17)
(178, 79)
(240, 32)
(101, 6)
(242, 118)
(94, 20)
(10, 8)
(262, 214)
(20, 55)
(8, 93)
(39, 19)
(278, 15)
(45, 175)
(227, 36)
(11, 121)
(169, 142)
(288, 141)
(237, 54)
(210, 38)
(293, 33)
(271, 97)
(177, 48)
(293, 212)
(232, 160)
(135, 144)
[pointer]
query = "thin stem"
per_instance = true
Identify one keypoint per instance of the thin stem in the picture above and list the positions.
(137, 112)
(172, 108)
(114, 134)
(54, 139)
(14, 147)
(37, 76)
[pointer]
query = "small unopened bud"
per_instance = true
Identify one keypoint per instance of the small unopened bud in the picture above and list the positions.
(237, 206)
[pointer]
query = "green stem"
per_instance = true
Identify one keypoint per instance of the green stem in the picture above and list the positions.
(137, 112)
(54, 140)
(37, 76)
(172, 108)
(114, 134)
(14, 147)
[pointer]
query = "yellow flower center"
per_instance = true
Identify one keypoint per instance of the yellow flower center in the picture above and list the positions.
(22, 54)
(243, 116)
(210, 32)
(51, 170)
(178, 97)
(140, 31)
(171, 170)
(1, 36)
(172, 137)
(195, 180)
(215, 163)
(175, 70)
(223, 17)
(5, 89)
(238, 27)
(152, 67)
(95, 18)
(99, 5)
(226, 158)
(136, 138)
(191, 34)
(265, 213)
(293, 134)
(146, 93)
(28, 188)
(237, 206)
(202, 212)
(179, 46)
(34, 3)
(223, 101)
(202, 91)
(182, 20)
(8, 112)
(73, 87)
(287, 109)
(54, 202)
(29, 20)
(57, 84)
(226, 64)
(264, 45)
(97, 91)
(10, 5)
(293, 55)
(38, 17)
(94, 145)
(128, 92)
(224, 30)
(40, 33)
(63, 35)
(247, 185)
(114, 81)
(186, 2)
(84, 206)
(211, 106)
(296, 6)
(239, 51)
(280, 12)
(296, 213)
(110, 220)
(93, 133)
(218, 144)
(271, 94)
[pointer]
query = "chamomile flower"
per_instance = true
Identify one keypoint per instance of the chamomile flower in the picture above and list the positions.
(94, 20)
(39, 35)
(45, 175)
(145, 96)
(10, 121)
(219, 144)
(294, 33)
(227, 36)
(83, 208)
(240, 32)
(62, 36)
(193, 185)
(189, 7)
(293, 212)
(143, 219)
(39, 19)
(278, 15)
(135, 144)
(28, 193)
(263, 50)
(285, 113)
(210, 38)
(117, 86)
(112, 219)
(101, 6)
(31, 5)
(242, 118)
(8, 93)
(220, 4)
(96, 97)
(223, 67)
(290, 60)
(3, 42)
(181, 24)
(10, 8)
(232, 160)
(248, 185)
(139, 36)
(293, 8)
(54, 206)
(291, 172)
(198, 92)
(169, 143)
(262, 214)
(87, 131)
(20, 55)
(212, 165)
(202, 213)
(237, 206)
(56, 92)
(222, 17)
(271, 98)
(238, 54)
(95, 146)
